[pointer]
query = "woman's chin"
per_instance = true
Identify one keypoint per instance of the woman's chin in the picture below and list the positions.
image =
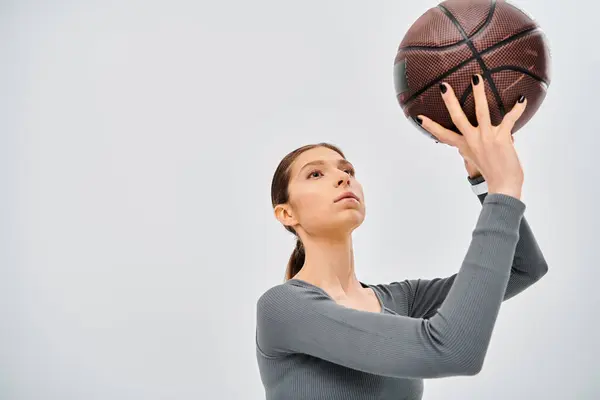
(337, 222)
(350, 219)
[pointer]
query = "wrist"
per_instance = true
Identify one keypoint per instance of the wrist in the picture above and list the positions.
(478, 185)
(508, 191)
(509, 187)
(476, 179)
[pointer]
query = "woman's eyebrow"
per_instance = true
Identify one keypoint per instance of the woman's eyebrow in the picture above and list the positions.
(340, 163)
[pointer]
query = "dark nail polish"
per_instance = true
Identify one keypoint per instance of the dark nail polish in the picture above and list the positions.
(419, 120)
(521, 99)
(475, 79)
(443, 88)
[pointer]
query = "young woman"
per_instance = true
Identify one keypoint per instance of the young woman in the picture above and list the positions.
(323, 334)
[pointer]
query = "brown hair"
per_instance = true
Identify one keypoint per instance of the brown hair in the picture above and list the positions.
(281, 195)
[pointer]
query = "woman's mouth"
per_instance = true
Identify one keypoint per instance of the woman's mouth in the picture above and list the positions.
(347, 196)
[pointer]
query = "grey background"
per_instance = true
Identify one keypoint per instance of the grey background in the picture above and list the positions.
(137, 144)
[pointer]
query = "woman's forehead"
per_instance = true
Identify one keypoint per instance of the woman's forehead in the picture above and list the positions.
(317, 156)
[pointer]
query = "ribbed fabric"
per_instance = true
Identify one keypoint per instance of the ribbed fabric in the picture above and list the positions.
(309, 347)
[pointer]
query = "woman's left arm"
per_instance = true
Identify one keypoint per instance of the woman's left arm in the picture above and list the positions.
(528, 267)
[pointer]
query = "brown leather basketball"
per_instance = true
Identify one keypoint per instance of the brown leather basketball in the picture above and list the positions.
(458, 38)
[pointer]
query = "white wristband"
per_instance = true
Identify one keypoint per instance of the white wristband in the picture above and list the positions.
(480, 188)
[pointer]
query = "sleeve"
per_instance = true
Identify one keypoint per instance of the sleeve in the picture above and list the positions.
(452, 342)
(528, 266)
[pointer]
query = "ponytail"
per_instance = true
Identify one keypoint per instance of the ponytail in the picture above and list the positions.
(296, 260)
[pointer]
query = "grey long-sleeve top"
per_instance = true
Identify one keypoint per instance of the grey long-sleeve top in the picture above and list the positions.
(309, 347)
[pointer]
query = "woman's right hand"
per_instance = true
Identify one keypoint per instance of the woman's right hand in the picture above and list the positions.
(490, 148)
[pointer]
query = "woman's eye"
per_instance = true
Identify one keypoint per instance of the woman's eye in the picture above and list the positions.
(318, 173)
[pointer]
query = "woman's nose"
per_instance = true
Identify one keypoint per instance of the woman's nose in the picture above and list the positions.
(345, 179)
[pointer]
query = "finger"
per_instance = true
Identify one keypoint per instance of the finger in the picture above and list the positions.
(442, 134)
(481, 103)
(456, 112)
(509, 120)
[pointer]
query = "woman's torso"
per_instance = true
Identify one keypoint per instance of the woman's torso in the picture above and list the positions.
(301, 376)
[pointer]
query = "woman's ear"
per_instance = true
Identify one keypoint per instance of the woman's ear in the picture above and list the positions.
(284, 214)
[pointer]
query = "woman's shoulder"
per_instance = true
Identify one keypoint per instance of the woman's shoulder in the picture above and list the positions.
(281, 308)
(291, 301)
(275, 293)
(289, 293)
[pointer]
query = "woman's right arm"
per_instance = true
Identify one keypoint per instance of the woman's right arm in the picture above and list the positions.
(454, 341)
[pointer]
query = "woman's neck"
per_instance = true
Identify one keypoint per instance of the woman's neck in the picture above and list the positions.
(329, 264)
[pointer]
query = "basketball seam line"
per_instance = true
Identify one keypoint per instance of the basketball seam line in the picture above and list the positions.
(518, 69)
(503, 68)
(468, 60)
(485, 73)
(449, 46)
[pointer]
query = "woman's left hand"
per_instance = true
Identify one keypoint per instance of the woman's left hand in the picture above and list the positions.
(472, 169)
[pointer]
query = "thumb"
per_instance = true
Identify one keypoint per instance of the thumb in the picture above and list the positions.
(442, 134)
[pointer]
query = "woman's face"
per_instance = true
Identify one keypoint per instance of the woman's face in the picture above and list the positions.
(318, 177)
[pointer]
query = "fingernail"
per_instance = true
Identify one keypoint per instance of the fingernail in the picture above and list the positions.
(521, 99)
(419, 120)
(475, 79)
(443, 88)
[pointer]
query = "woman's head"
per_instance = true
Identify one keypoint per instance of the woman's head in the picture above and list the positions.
(305, 195)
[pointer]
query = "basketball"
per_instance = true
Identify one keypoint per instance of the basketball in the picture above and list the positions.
(458, 38)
